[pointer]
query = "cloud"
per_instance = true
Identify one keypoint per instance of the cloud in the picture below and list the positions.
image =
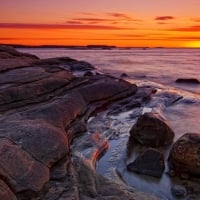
(160, 18)
(186, 29)
(73, 22)
(92, 20)
(87, 13)
(122, 16)
(130, 35)
(186, 38)
(162, 23)
(30, 38)
(59, 26)
(195, 19)
(9, 38)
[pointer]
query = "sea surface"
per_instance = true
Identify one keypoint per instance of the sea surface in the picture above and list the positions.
(159, 68)
(160, 65)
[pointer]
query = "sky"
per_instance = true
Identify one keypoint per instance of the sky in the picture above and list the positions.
(124, 23)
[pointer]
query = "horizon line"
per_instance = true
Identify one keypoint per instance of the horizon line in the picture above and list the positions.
(88, 46)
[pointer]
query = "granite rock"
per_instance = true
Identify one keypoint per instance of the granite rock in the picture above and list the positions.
(151, 130)
(184, 157)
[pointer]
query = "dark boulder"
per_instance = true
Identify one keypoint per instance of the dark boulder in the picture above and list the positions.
(184, 157)
(123, 75)
(151, 130)
(179, 191)
(188, 80)
(151, 163)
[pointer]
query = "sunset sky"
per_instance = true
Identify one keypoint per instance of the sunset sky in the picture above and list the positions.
(137, 23)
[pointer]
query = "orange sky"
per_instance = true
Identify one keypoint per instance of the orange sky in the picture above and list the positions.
(152, 23)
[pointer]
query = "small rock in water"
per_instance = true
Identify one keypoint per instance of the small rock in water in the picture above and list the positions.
(179, 191)
(151, 130)
(188, 80)
(151, 163)
(123, 75)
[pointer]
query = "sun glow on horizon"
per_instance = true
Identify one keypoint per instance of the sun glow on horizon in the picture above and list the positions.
(121, 23)
(193, 44)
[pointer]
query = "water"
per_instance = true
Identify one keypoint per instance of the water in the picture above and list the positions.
(159, 65)
(156, 67)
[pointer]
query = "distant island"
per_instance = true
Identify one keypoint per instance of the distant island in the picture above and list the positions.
(107, 47)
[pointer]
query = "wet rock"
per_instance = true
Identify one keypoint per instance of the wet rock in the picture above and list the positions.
(179, 191)
(142, 95)
(184, 157)
(188, 80)
(91, 190)
(151, 163)
(151, 130)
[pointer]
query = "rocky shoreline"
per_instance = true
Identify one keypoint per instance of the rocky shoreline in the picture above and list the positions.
(51, 137)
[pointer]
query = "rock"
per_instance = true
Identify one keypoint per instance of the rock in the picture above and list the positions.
(92, 191)
(123, 75)
(179, 191)
(66, 63)
(10, 58)
(151, 163)
(89, 73)
(105, 88)
(31, 136)
(20, 170)
(151, 130)
(188, 80)
(5, 192)
(142, 96)
(43, 107)
(184, 157)
(14, 53)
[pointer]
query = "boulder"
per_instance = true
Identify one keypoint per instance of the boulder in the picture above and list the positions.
(179, 191)
(184, 157)
(151, 130)
(151, 163)
(188, 80)
(123, 75)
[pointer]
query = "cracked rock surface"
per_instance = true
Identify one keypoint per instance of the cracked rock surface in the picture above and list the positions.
(43, 106)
